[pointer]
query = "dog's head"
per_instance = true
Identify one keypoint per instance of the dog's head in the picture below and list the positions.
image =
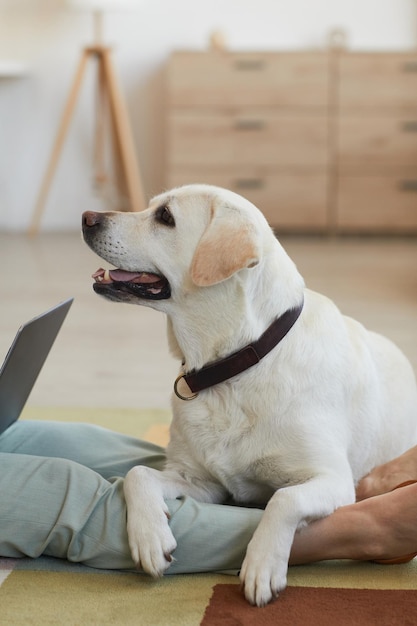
(191, 237)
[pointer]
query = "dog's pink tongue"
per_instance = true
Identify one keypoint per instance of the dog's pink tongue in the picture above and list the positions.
(122, 276)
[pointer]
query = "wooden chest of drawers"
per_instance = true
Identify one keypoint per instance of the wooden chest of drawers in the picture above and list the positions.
(320, 141)
(377, 143)
(227, 79)
(254, 123)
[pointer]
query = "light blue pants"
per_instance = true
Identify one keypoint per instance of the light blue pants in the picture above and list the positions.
(61, 494)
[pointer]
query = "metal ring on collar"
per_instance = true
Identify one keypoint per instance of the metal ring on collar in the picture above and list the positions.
(178, 394)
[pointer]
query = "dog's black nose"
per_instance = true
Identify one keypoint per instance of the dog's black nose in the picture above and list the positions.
(91, 218)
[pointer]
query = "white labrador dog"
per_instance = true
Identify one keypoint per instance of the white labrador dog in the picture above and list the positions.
(321, 405)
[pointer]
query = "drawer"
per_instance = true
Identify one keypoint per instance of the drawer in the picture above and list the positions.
(259, 138)
(378, 203)
(378, 140)
(290, 202)
(223, 79)
(378, 81)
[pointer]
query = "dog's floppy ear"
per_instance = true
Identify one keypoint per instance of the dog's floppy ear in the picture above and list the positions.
(229, 244)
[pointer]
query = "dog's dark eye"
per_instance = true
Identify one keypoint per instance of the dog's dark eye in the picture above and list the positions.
(164, 216)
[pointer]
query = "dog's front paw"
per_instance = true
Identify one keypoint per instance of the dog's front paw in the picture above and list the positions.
(151, 542)
(263, 577)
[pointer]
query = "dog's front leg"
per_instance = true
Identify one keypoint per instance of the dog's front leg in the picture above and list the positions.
(264, 570)
(151, 541)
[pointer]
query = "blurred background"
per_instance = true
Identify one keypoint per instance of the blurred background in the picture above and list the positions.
(40, 46)
(324, 141)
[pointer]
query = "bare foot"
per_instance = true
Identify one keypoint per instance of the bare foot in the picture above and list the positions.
(393, 523)
(380, 527)
(386, 477)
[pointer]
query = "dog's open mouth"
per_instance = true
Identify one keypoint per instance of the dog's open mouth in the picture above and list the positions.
(140, 284)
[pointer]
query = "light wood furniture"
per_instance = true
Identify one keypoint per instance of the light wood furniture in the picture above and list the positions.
(320, 141)
(111, 107)
(377, 142)
(255, 123)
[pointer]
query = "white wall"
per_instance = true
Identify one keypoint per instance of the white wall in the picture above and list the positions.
(49, 39)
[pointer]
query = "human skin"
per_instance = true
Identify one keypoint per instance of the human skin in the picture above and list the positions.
(380, 525)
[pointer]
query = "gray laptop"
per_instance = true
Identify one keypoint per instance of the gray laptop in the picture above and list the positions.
(25, 359)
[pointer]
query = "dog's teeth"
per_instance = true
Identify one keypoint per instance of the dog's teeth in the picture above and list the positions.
(106, 275)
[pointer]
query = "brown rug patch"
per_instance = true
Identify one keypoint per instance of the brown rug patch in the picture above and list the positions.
(314, 606)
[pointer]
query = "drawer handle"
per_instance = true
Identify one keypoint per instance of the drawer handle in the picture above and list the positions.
(250, 124)
(410, 66)
(249, 183)
(408, 185)
(410, 127)
(250, 65)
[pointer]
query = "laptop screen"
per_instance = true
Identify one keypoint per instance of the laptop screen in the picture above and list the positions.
(25, 359)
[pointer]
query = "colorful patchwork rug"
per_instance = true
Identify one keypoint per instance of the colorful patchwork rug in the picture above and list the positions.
(49, 591)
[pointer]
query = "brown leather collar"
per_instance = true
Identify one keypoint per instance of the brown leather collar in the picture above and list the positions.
(219, 371)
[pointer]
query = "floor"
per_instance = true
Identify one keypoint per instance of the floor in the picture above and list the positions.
(116, 355)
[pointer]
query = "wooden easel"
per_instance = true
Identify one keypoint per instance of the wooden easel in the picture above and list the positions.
(110, 101)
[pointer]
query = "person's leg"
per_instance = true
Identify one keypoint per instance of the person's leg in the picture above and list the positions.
(59, 508)
(104, 451)
(381, 527)
(386, 477)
